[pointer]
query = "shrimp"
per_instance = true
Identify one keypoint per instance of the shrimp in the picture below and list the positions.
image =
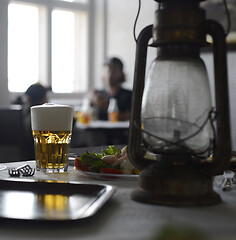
(116, 160)
(110, 159)
(120, 160)
(123, 151)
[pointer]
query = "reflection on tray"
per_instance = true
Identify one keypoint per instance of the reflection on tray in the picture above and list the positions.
(52, 201)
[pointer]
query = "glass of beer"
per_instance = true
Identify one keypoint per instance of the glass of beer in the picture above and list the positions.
(52, 129)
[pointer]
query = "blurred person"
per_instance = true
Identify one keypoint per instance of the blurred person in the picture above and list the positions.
(36, 94)
(113, 78)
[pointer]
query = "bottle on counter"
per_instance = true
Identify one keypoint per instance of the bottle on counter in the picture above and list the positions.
(86, 112)
(113, 110)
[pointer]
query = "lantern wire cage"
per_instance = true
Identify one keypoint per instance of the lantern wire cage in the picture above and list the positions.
(200, 154)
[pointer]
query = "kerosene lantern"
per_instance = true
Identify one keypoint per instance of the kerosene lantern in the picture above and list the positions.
(172, 111)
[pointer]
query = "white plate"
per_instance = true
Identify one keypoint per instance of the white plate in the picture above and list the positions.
(106, 176)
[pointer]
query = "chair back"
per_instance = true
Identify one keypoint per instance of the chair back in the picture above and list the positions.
(15, 141)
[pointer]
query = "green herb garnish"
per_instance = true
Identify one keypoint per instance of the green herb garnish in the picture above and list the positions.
(111, 150)
(94, 161)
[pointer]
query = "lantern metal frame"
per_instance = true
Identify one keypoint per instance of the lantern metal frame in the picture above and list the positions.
(187, 183)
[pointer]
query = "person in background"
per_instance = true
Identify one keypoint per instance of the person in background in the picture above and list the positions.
(36, 94)
(113, 77)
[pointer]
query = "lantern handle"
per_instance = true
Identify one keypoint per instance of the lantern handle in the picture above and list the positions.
(222, 154)
(135, 150)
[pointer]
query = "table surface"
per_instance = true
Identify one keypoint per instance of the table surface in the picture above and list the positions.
(103, 125)
(100, 133)
(124, 219)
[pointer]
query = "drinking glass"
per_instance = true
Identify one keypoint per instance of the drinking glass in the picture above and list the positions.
(52, 129)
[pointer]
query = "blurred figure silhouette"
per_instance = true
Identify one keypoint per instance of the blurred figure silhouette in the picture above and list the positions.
(36, 94)
(113, 77)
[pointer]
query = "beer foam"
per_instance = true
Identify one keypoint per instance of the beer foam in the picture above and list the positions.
(52, 117)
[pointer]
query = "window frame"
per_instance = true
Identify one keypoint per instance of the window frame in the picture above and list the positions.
(45, 46)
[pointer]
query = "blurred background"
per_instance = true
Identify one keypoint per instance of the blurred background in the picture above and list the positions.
(62, 44)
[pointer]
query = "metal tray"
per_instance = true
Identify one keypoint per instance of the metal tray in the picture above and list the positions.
(28, 199)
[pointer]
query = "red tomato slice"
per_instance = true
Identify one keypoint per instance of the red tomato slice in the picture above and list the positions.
(79, 166)
(110, 171)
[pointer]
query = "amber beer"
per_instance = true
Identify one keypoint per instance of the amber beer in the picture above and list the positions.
(52, 148)
(51, 126)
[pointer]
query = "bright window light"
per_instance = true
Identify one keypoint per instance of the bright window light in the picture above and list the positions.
(78, 1)
(30, 28)
(63, 51)
(69, 34)
(23, 46)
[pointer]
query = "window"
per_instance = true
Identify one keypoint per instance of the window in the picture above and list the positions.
(22, 46)
(47, 43)
(63, 51)
(78, 1)
(67, 58)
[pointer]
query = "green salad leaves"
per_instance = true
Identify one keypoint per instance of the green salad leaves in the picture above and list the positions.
(94, 161)
(111, 150)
